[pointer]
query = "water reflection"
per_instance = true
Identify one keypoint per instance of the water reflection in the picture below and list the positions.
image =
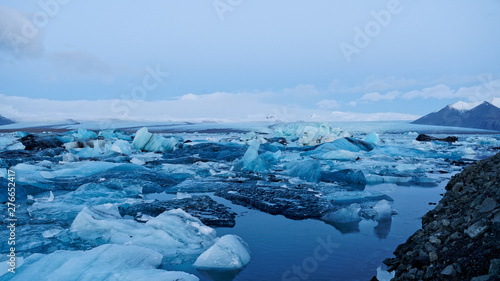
(383, 228)
(220, 275)
(346, 227)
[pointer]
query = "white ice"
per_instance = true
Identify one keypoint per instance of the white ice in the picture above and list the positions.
(383, 210)
(383, 275)
(344, 215)
(122, 147)
(85, 134)
(174, 233)
(230, 252)
(107, 262)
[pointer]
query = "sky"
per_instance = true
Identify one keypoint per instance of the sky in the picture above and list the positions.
(245, 60)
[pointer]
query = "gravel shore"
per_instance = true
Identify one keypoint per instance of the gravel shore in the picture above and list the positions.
(460, 238)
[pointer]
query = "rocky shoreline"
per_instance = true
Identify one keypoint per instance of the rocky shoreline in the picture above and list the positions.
(460, 238)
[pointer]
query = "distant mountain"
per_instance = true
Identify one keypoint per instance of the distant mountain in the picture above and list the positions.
(5, 121)
(485, 115)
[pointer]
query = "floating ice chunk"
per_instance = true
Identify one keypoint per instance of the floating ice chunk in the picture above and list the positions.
(341, 155)
(147, 141)
(70, 157)
(344, 215)
(174, 233)
(373, 138)
(251, 161)
(320, 133)
(84, 134)
(383, 210)
(9, 142)
(483, 141)
(349, 197)
(309, 170)
(93, 151)
(271, 157)
(345, 176)
(183, 195)
(122, 147)
(230, 252)
(383, 275)
(137, 161)
(107, 262)
(65, 208)
(467, 151)
(112, 134)
(49, 233)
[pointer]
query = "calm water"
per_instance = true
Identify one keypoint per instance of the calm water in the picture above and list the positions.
(279, 245)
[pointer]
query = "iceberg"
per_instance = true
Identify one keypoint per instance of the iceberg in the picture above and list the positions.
(122, 147)
(106, 262)
(175, 234)
(346, 176)
(373, 138)
(383, 275)
(345, 215)
(309, 170)
(251, 161)
(147, 141)
(85, 134)
(383, 210)
(70, 157)
(230, 252)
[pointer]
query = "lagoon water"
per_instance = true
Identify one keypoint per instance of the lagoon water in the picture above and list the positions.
(279, 244)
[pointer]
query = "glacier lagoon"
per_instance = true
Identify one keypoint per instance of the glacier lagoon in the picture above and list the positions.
(312, 201)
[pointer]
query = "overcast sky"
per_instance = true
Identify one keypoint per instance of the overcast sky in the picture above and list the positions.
(410, 57)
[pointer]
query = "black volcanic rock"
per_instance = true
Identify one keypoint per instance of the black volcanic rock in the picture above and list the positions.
(459, 239)
(423, 137)
(5, 121)
(484, 116)
(203, 207)
(38, 142)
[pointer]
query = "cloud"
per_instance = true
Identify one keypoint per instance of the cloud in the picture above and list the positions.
(440, 91)
(378, 97)
(373, 84)
(18, 35)
(328, 104)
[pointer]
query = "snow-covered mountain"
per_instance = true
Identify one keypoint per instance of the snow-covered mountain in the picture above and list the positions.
(480, 115)
(5, 121)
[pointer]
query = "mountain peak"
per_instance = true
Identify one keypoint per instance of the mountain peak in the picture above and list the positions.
(5, 121)
(463, 106)
(480, 115)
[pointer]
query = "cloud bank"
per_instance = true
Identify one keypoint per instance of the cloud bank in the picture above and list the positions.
(218, 106)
